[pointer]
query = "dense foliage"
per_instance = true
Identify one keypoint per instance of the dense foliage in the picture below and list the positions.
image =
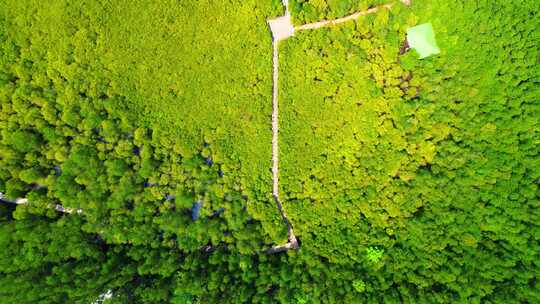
(406, 180)
(420, 176)
(134, 119)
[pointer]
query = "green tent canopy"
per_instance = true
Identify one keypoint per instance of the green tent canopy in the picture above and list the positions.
(422, 39)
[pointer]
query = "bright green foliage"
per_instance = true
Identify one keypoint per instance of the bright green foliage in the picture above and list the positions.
(359, 286)
(80, 89)
(406, 180)
(374, 255)
(301, 299)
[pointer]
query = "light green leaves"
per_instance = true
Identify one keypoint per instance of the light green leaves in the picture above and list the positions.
(374, 254)
(359, 286)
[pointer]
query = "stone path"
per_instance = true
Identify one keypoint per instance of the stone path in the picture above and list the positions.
(281, 28)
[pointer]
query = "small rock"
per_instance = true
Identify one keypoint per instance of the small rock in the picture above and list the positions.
(196, 210)
(57, 170)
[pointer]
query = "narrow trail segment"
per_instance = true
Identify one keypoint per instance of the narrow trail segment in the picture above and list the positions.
(24, 201)
(355, 16)
(282, 28)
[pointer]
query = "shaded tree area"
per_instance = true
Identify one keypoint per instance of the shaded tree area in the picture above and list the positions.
(50, 260)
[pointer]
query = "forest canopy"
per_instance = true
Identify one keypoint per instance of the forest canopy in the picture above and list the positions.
(406, 180)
